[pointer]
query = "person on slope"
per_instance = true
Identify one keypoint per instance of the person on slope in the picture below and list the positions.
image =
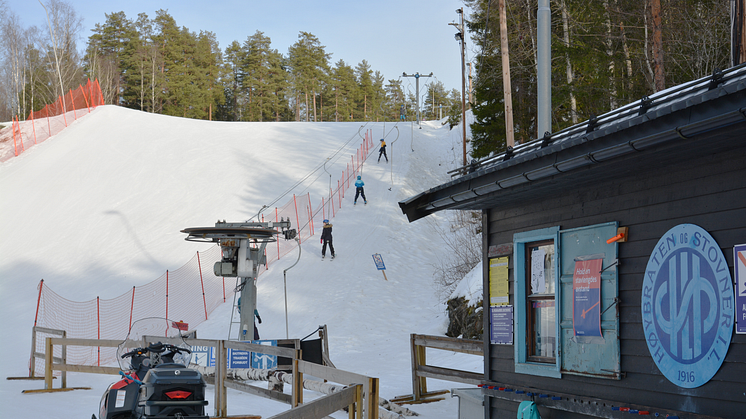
(326, 238)
(359, 190)
(382, 151)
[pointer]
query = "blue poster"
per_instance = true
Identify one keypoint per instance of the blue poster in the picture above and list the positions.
(586, 302)
(501, 325)
(739, 260)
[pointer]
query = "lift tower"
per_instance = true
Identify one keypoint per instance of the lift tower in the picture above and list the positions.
(242, 253)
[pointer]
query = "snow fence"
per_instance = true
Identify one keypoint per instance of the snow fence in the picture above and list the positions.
(189, 293)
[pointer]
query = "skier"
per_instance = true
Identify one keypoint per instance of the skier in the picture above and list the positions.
(359, 191)
(326, 238)
(256, 315)
(382, 151)
(256, 331)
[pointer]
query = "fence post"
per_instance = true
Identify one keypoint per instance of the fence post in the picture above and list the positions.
(310, 212)
(33, 126)
(32, 363)
(278, 242)
(64, 114)
(87, 103)
(297, 218)
(166, 293)
(221, 409)
(132, 306)
(48, 364)
(72, 103)
(331, 202)
(98, 330)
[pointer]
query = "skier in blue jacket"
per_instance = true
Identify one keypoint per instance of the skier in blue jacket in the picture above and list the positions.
(359, 189)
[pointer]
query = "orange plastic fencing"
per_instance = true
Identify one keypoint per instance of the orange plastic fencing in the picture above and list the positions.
(51, 120)
(188, 294)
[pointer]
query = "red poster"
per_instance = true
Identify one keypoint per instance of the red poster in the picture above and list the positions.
(586, 290)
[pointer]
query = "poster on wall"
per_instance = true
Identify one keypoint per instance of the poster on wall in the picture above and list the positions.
(739, 260)
(687, 305)
(498, 280)
(586, 301)
(501, 325)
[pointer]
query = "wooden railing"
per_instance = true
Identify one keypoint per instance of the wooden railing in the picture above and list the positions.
(361, 396)
(421, 371)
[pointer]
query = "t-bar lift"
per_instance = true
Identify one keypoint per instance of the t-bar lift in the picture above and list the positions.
(242, 253)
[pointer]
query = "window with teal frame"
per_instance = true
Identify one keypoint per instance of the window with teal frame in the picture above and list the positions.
(548, 340)
(536, 309)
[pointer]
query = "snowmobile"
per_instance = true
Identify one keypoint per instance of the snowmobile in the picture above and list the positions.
(156, 383)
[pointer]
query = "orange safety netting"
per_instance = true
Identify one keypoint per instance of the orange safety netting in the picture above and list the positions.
(188, 294)
(53, 118)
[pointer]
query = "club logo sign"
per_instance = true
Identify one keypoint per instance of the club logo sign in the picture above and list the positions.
(687, 306)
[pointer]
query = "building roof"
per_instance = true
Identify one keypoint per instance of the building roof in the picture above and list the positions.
(682, 122)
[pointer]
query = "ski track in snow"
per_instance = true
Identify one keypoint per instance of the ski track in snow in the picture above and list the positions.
(98, 209)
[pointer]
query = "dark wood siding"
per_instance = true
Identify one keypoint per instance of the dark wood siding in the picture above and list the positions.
(709, 191)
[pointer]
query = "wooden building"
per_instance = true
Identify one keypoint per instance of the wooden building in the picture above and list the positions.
(610, 253)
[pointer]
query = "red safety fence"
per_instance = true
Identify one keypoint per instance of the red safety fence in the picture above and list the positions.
(188, 294)
(51, 120)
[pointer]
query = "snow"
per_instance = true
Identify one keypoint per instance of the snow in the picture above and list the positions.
(471, 286)
(98, 209)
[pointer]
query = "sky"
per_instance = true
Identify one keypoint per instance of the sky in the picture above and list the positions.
(98, 209)
(395, 37)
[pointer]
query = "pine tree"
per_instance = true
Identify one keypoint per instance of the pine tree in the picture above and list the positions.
(309, 66)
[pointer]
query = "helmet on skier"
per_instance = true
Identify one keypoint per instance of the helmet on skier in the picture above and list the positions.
(326, 221)
(358, 178)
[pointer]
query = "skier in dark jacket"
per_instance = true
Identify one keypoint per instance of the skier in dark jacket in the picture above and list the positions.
(326, 238)
(359, 190)
(382, 151)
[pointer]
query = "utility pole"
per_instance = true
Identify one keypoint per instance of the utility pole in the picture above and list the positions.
(417, 94)
(544, 69)
(460, 36)
(507, 89)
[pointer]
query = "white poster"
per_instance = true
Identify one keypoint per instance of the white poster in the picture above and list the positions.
(538, 282)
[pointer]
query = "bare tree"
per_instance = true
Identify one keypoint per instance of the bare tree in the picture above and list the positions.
(64, 29)
(13, 39)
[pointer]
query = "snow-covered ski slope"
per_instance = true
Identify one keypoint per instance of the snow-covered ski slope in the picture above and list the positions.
(99, 208)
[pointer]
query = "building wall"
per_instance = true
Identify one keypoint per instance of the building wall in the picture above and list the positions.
(703, 187)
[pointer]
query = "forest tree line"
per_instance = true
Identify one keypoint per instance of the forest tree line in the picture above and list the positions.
(155, 65)
(605, 54)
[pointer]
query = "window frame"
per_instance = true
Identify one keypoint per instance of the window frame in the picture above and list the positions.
(523, 362)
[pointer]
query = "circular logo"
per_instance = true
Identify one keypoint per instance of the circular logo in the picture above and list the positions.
(687, 306)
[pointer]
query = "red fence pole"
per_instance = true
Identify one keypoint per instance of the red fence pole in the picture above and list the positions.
(98, 328)
(33, 125)
(72, 103)
(15, 144)
(87, 104)
(278, 242)
(64, 114)
(132, 306)
(339, 195)
(297, 218)
(331, 202)
(167, 294)
(38, 301)
(204, 301)
(310, 209)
